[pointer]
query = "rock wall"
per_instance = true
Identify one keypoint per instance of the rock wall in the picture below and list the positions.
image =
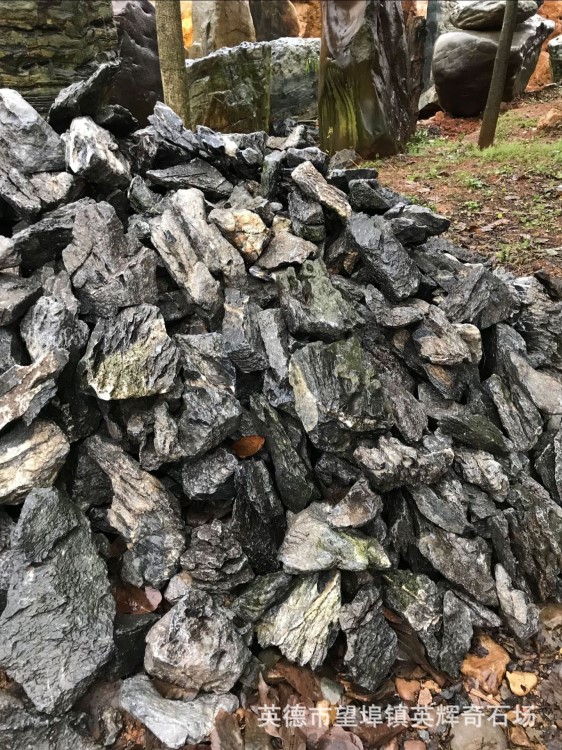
(47, 44)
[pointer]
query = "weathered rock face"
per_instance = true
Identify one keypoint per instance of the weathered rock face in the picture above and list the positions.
(484, 15)
(74, 33)
(463, 62)
(365, 102)
(220, 23)
(273, 20)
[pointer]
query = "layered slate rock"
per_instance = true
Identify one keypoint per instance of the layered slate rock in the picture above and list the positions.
(57, 627)
(92, 153)
(144, 513)
(196, 646)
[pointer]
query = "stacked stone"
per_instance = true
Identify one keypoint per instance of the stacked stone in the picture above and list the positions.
(168, 296)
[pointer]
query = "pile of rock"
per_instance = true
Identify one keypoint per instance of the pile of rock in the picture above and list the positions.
(463, 58)
(261, 383)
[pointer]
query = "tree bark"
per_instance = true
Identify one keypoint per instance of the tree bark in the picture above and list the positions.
(499, 76)
(172, 56)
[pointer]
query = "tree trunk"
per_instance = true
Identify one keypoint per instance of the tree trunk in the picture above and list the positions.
(499, 76)
(172, 56)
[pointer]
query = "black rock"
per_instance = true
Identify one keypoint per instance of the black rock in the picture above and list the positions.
(476, 431)
(457, 634)
(367, 195)
(241, 333)
(412, 225)
(129, 633)
(209, 481)
(260, 595)
(307, 217)
(195, 174)
(16, 296)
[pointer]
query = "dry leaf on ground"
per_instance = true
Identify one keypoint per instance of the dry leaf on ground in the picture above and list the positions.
(487, 667)
(408, 690)
(131, 600)
(521, 683)
(248, 446)
(226, 734)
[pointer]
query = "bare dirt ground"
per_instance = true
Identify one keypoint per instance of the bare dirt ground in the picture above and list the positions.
(506, 201)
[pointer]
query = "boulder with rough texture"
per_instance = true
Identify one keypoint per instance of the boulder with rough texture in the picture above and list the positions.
(487, 15)
(463, 62)
(294, 77)
(92, 153)
(220, 23)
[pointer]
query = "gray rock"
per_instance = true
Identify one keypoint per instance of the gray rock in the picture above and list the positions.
(130, 356)
(50, 325)
(9, 257)
(392, 464)
(175, 723)
(358, 507)
(304, 625)
(412, 225)
(214, 559)
(482, 469)
(487, 15)
(476, 431)
(439, 342)
(519, 417)
(240, 329)
(286, 248)
(487, 736)
(521, 616)
(260, 595)
(327, 547)
(57, 628)
(386, 260)
(394, 316)
(195, 174)
(294, 77)
(244, 229)
(447, 511)
(209, 481)
(312, 306)
(409, 414)
(307, 217)
(16, 296)
(371, 643)
(314, 186)
(275, 339)
(30, 457)
(93, 153)
(457, 634)
(24, 391)
(367, 195)
(196, 646)
(317, 372)
(144, 512)
(465, 562)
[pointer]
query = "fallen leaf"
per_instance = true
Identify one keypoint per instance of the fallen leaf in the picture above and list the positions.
(411, 646)
(131, 600)
(425, 698)
(521, 683)
(337, 738)
(487, 668)
(248, 446)
(414, 745)
(408, 690)
(377, 736)
(518, 737)
(300, 678)
(431, 685)
(226, 734)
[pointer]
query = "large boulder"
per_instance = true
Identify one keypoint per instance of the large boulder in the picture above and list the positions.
(463, 62)
(220, 23)
(366, 99)
(294, 78)
(487, 15)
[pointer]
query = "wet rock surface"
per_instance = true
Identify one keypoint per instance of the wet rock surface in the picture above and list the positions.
(271, 409)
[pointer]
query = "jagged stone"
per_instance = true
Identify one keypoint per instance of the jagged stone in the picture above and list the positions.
(284, 249)
(271, 173)
(195, 174)
(474, 430)
(93, 153)
(130, 356)
(244, 229)
(240, 329)
(484, 15)
(108, 269)
(314, 186)
(521, 616)
(439, 342)
(175, 723)
(196, 646)
(312, 306)
(30, 457)
(480, 298)
(409, 414)
(384, 257)
(518, 415)
(9, 256)
(214, 559)
(457, 634)
(129, 632)
(446, 512)
(294, 479)
(209, 481)
(24, 391)
(304, 625)
(482, 469)
(357, 508)
(275, 339)
(307, 217)
(392, 464)
(397, 316)
(50, 325)
(57, 628)
(16, 296)
(317, 373)
(258, 517)
(327, 547)
(412, 225)
(144, 512)
(539, 323)
(371, 643)
(260, 595)
(464, 562)
(369, 196)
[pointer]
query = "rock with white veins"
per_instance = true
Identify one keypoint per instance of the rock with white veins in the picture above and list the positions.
(196, 646)
(50, 325)
(130, 356)
(241, 333)
(195, 174)
(30, 457)
(305, 624)
(521, 616)
(57, 628)
(371, 642)
(286, 248)
(174, 722)
(144, 512)
(357, 508)
(482, 469)
(314, 186)
(93, 153)
(243, 228)
(24, 391)
(327, 547)
(16, 296)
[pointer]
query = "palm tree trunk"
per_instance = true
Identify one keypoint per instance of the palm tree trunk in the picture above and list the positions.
(172, 57)
(499, 76)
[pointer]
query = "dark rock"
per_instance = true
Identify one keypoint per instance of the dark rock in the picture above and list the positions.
(484, 15)
(175, 723)
(312, 154)
(521, 616)
(317, 373)
(517, 413)
(260, 595)
(367, 195)
(476, 431)
(464, 562)
(304, 625)
(357, 508)
(258, 518)
(57, 628)
(293, 477)
(129, 632)
(312, 306)
(30, 457)
(386, 260)
(371, 643)
(412, 225)
(93, 153)
(392, 464)
(16, 296)
(214, 559)
(447, 512)
(50, 325)
(271, 173)
(294, 77)
(276, 343)
(118, 120)
(457, 634)
(314, 186)
(195, 174)
(409, 414)
(144, 513)
(196, 646)
(307, 217)
(240, 329)
(209, 481)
